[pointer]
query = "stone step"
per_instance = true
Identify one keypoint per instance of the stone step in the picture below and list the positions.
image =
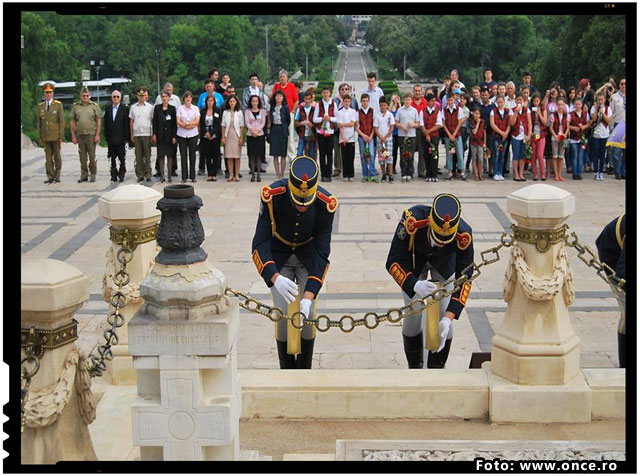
(253, 455)
(309, 457)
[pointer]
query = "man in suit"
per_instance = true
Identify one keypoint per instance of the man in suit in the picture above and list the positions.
(117, 134)
(50, 132)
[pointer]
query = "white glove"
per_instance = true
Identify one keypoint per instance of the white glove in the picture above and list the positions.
(445, 325)
(305, 307)
(287, 288)
(424, 288)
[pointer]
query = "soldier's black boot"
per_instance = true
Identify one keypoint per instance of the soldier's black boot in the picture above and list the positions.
(305, 357)
(414, 350)
(287, 361)
(622, 354)
(438, 359)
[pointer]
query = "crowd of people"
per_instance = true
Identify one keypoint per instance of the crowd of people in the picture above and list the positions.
(491, 129)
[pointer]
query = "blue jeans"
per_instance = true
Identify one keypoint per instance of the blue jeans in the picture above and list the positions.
(620, 161)
(577, 158)
(370, 169)
(459, 153)
(517, 149)
(302, 143)
(600, 154)
(498, 157)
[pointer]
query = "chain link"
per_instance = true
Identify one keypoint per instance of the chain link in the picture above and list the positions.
(25, 380)
(588, 257)
(371, 320)
(115, 317)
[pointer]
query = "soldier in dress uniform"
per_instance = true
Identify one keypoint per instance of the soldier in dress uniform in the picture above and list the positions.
(612, 250)
(50, 132)
(438, 240)
(291, 249)
(85, 131)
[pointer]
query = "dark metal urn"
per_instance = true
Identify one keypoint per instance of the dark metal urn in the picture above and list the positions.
(180, 233)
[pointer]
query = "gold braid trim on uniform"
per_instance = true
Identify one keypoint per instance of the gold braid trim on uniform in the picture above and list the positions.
(621, 239)
(277, 235)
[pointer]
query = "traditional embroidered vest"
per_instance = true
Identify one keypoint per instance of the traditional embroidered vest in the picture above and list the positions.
(321, 113)
(577, 121)
(451, 119)
(366, 121)
(522, 119)
(477, 138)
(304, 117)
(556, 123)
(501, 123)
(536, 120)
(430, 119)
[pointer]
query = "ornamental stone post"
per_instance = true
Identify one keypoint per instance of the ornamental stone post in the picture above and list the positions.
(60, 404)
(131, 213)
(183, 344)
(535, 359)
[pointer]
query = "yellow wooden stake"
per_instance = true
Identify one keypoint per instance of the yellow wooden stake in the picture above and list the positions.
(293, 334)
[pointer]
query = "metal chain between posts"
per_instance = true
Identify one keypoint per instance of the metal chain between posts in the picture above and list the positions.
(115, 317)
(25, 379)
(602, 269)
(371, 320)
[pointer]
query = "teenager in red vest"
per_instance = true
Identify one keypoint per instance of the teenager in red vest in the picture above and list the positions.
(539, 131)
(499, 119)
(520, 122)
(452, 121)
(559, 129)
(304, 126)
(430, 123)
(578, 125)
(364, 129)
(324, 117)
(478, 142)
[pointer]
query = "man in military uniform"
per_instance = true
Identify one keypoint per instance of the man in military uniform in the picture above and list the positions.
(612, 250)
(291, 249)
(85, 131)
(438, 240)
(50, 132)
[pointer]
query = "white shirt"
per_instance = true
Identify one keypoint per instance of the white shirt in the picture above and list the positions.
(142, 116)
(520, 135)
(115, 111)
(430, 111)
(188, 115)
(601, 130)
(404, 116)
(318, 119)
(383, 122)
(343, 116)
(374, 98)
(510, 103)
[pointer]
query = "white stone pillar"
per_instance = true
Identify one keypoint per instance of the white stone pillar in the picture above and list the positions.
(535, 359)
(183, 345)
(131, 207)
(60, 404)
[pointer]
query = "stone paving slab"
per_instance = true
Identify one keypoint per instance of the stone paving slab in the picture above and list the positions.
(61, 221)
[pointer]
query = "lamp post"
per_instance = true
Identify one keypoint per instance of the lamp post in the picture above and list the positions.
(97, 65)
(158, 69)
(266, 35)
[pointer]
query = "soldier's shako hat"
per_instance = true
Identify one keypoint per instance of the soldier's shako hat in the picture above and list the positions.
(46, 87)
(141, 90)
(303, 180)
(444, 218)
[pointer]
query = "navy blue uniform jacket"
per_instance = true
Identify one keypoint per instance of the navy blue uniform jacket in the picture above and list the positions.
(612, 247)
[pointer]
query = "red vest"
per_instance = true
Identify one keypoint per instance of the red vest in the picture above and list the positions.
(451, 120)
(366, 121)
(430, 119)
(477, 138)
(536, 120)
(501, 124)
(522, 118)
(577, 121)
(556, 123)
(303, 117)
(321, 113)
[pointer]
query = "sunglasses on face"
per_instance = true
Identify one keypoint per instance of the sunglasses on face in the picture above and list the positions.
(114, 97)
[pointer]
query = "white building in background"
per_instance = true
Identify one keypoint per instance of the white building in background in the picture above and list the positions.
(100, 90)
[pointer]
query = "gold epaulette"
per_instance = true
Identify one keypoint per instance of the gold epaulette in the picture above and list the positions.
(464, 240)
(332, 201)
(55, 101)
(42, 103)
(267, 193)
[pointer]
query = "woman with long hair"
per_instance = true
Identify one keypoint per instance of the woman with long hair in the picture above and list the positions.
(278, 126)
(210, 134)
(255, 118)
(232, 131)
(188, 118)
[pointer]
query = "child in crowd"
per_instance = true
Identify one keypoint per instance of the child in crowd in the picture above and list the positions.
(364, 128)
(393, 109)
(383, 125)
(559, 127)
(430, 123)
(520, 122)
(304, 125)
(539, 121)
(407, 121)
(464, 101)
(601, 117)
(452, 121)
(346, 119)
(578, 124)
(478, 143)
(499, 119)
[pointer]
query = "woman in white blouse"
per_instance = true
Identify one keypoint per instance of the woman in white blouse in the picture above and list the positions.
(188, 118)
(232, 130)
